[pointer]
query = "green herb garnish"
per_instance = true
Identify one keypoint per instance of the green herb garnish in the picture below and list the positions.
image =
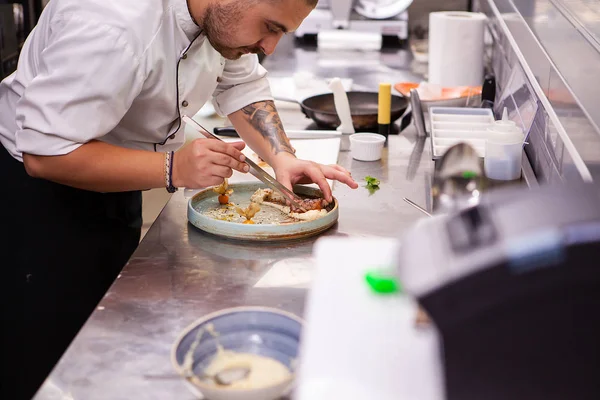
(372, 184)
(372, 181)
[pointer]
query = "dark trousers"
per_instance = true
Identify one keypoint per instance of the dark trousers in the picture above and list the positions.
(60, 250)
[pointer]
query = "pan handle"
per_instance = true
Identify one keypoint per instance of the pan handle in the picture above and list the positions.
(287, 100)
(295, 102)
(228, 131)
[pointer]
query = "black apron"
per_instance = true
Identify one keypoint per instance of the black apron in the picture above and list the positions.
(60, 250)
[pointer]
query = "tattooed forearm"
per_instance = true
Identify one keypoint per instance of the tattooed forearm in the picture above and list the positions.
(264, 118)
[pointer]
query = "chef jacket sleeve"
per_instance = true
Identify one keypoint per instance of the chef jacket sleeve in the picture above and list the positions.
(87, 79)
(244, 82)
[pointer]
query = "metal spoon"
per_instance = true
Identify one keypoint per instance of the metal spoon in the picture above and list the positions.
(225, 377)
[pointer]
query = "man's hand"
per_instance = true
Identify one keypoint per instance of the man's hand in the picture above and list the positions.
(290, 171)
(260, 126)
(206, 162)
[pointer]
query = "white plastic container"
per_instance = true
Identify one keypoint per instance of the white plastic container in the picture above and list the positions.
(461, 118)
(444, 133)
(367, 146)
(440, 150)
(461, 126)
(452, 125)
(504, 152)
(505, 126)
(453, 141)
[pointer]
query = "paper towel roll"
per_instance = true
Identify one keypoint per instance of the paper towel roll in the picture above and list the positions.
(456, 48)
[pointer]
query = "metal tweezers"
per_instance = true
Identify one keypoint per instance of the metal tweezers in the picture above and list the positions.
(255, 170)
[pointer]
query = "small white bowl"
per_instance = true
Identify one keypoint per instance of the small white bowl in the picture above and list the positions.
(367, 146)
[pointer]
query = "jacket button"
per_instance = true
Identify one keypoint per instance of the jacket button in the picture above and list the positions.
(219, 79)
(172, 137)
(185, 103)
(184, 57)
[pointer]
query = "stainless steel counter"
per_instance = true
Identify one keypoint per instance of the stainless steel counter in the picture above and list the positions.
(179, 273)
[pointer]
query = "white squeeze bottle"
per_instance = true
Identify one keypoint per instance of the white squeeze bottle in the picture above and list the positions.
(504, 150)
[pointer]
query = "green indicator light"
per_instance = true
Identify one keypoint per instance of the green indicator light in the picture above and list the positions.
(383, 284)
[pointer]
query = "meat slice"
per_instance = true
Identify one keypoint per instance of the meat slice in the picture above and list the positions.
(315, 208)
(311, 204)
(270, 196)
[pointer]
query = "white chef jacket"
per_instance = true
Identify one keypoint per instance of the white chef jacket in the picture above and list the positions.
(119, 71)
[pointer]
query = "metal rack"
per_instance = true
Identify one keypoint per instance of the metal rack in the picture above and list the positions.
(545, 55)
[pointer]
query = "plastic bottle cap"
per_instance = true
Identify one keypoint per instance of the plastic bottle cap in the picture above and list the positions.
(503, 126)
(510, 137)
(469, 175)
(383, 284)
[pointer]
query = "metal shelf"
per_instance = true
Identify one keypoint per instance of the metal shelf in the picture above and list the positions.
(555, 49)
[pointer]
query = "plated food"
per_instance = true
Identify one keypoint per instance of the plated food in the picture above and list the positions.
(315, 208)
(253, 212)
(265, 199)
(249, 212)
(223, 191)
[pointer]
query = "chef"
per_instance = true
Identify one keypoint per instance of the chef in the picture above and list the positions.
(91, 117)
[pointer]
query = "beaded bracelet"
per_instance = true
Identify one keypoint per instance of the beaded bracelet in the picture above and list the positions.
(169, 156)
(166, 169)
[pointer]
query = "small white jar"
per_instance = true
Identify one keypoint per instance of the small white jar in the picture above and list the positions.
(367, 146)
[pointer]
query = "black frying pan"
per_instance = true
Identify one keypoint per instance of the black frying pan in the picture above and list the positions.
(363, 108)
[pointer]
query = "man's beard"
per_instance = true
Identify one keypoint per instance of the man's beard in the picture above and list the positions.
(220, 22)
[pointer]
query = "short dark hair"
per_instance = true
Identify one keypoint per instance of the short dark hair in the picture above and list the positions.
(312, 3)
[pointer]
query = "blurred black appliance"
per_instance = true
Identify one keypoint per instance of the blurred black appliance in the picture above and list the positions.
(513, 286)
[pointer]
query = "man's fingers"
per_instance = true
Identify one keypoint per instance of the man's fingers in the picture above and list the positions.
(221, 172)
(228, 161)
(316, 175)
(236, 157)
(340, 175)
(231, 149)
(341, 169)
(214, 181)
(285, 180)
(238, 145)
